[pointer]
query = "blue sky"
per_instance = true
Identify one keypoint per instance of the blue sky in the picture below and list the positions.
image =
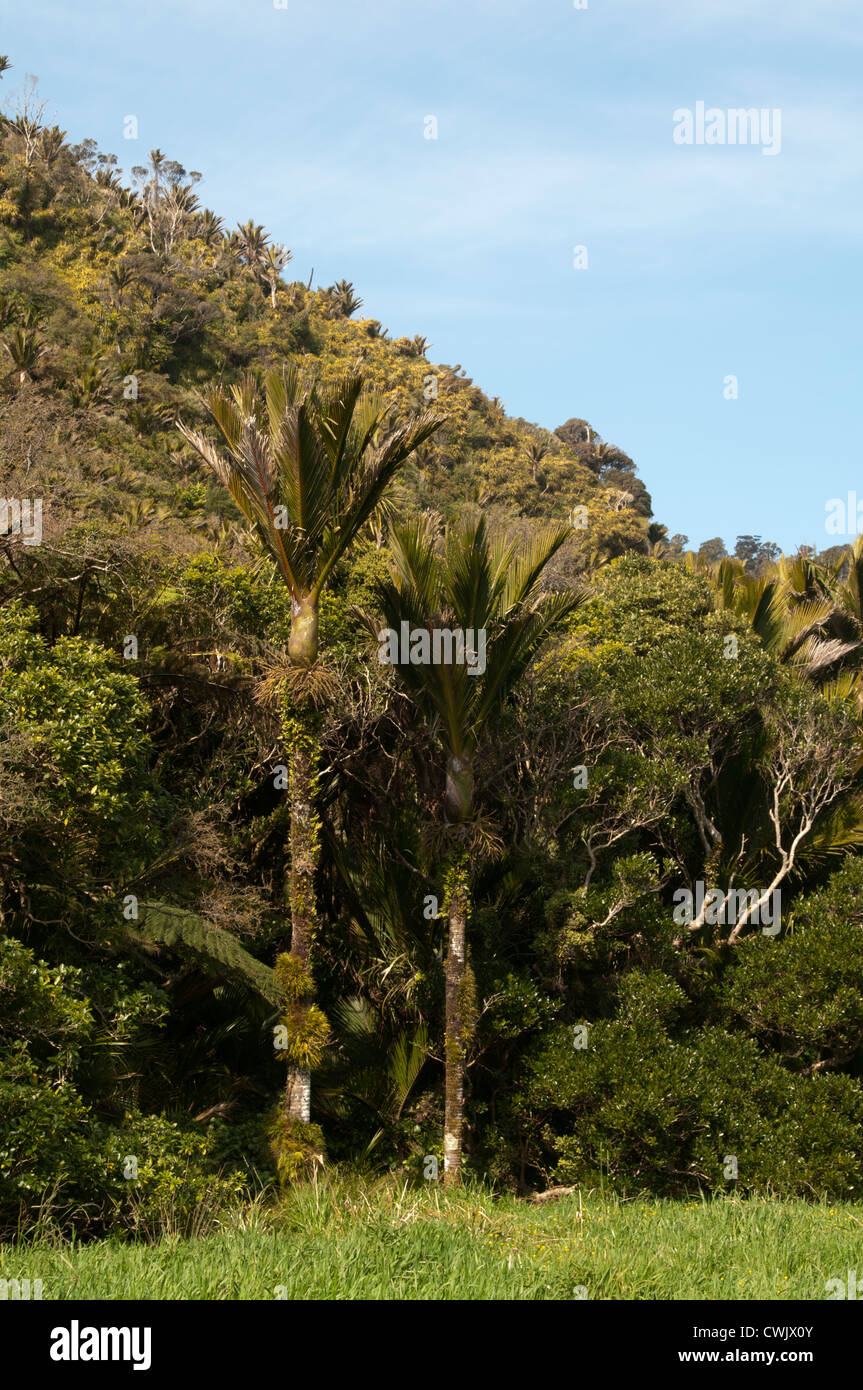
(555, 130)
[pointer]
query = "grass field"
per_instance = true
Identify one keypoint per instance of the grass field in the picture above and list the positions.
(385, 1242)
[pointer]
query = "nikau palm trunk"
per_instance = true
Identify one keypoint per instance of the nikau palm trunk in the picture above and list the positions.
(454, 1045)
(303, 651)
(459, 805)
(298, 1092)
(459, 789)
(298, 1096)
(303, 642)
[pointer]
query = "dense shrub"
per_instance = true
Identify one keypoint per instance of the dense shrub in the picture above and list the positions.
(649, 1106)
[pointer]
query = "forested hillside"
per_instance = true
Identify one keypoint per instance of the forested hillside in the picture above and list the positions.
(230, 852)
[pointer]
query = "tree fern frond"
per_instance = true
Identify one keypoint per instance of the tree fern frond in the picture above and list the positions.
(213, 949)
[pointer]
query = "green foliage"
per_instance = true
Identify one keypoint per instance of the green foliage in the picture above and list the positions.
(801, 993)
(247, 600)
(307, 1035)
(480, 586)
(55, 1154)
(518, 1006)
(647, 1107)
(297, 1147)
(310, 477)
(174, 1176)
(215, 950)
(44, 1147)
(294, 978)
(42, 1007)
(83, 717)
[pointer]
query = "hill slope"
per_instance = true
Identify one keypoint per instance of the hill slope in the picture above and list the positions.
(117, 304)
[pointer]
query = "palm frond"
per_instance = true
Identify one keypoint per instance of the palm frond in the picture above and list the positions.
(525, 573)
(306, 467)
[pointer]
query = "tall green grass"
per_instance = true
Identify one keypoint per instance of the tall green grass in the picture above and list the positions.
(343, 1240)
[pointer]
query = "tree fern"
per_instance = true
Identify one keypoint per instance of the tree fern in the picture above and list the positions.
(211, 948)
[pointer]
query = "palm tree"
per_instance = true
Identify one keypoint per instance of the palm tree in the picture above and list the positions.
(89, 386)
(250, 240)
(272, 263)
(493, 598)
(51, 145)
(803, 613)
(24, 347)
(209, 228)
(120, 277)
(306, 467)
(343, 298)
(536, 452)
(107, 178)
(844, 583)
